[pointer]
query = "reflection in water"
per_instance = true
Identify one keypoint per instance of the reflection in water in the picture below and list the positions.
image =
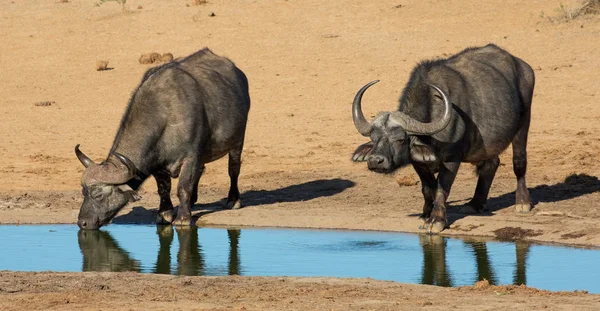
(522, 252)
(234, 253)
(102, 253)
(189, 258)
(165, 239)
(434, 260)
(484, 268)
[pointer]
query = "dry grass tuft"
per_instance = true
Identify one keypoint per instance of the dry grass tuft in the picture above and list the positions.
(586, 7)
(406, 181)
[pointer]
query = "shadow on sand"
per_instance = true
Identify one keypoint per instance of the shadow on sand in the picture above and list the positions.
(294, 193)
(574, 186)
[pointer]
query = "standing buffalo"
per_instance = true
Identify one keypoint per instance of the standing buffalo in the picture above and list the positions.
(466, 108)
(183, 115)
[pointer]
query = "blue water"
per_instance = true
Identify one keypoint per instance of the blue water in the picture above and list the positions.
(294, 252)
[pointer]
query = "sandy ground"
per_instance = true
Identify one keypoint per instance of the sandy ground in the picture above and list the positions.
(131, 291)
(305, 61)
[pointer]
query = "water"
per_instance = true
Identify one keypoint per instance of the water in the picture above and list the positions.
(293, 252)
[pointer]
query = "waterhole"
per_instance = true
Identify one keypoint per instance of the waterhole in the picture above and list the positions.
(296, 252)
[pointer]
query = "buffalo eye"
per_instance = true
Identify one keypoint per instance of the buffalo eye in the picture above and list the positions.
(99, 193)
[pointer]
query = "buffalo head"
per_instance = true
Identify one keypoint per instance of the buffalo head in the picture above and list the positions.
(105, 190)
(391, 132)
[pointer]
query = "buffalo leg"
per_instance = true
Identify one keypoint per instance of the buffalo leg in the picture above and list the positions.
(195, 193)
(437, 220)
(486, 171)
(519, 144)
(235, 164)
(428, 187)
(165, 210)
(188, 178)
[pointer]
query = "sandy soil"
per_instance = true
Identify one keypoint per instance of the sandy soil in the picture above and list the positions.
(131, 291)
(305, 60)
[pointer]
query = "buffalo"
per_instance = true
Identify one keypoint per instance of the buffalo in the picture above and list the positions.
(184, 114)
(465, 108)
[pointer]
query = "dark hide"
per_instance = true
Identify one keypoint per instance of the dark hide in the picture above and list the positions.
(490, 91)
(184, 114)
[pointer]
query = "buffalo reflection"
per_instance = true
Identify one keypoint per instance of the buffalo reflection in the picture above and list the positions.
(434, 261)
(101, 252)
(434, 270)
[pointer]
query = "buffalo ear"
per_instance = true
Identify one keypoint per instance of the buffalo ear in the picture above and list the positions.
(422, 154)
(362, 152)
(132, 195)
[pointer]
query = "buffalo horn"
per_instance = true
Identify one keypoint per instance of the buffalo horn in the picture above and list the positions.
(413, 126)
(362, 125)
(85, 160)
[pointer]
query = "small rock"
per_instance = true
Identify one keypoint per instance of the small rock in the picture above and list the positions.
(149, 58)
(481, 284)
(166, 57)
(101, 65)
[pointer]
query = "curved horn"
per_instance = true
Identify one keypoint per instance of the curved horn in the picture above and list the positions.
(416, 127)
(110, 172)
(130, 166)
(85, 160)
(362, 125)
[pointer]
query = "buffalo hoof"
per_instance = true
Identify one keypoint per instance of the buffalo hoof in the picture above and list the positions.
(237, 204)
(523, 208)
(165, 217)
(433, 225)
(185, 221)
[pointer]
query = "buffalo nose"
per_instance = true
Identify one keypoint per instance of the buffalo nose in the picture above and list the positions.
(376, 161)
(82, 223)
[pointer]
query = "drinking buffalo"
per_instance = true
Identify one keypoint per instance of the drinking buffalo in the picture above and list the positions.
(183, 115)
